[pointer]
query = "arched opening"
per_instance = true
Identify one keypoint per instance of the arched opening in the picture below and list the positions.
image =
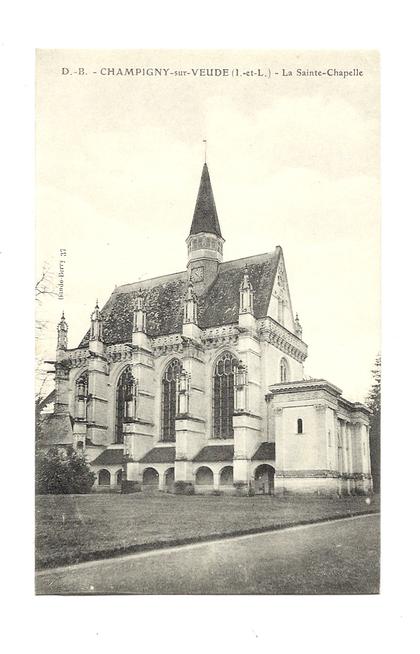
(151, 478)
(169, 478)
(223, 395)
(264, 479)
(300, 426)
(284, 370)
(204, 477)
(104, 478)
(118, 477)
(226, 476)
(123, 402)
(169, 408)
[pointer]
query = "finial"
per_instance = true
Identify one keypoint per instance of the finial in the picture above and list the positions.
(246, 284)
(62, 316)
(97, 304)
(190, 292)
(298, 326)
(205, 150)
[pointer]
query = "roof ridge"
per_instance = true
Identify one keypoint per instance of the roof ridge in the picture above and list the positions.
(149, 279)
(181, 272)
(252, 256)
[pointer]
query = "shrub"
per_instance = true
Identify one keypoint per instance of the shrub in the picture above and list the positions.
(62, 471)
(183, 488)
(130, 486)
(241, 487)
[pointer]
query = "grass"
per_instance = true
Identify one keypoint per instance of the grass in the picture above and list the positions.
(73, 528)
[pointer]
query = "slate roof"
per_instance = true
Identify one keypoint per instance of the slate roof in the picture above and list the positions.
(163, 299)
(265, 452)
(205, 217)
(55, 429)
(212, 453)
(159, 455)
(48, 399)
(109, 457)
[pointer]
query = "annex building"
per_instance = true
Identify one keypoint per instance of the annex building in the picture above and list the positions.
(195, 380)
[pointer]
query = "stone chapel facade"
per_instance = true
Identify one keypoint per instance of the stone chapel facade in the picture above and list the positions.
(195, 380)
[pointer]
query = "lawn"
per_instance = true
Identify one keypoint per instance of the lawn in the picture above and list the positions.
(72, 528)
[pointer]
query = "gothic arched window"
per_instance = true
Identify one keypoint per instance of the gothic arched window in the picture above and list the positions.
(81, 396)
(223, 396)
(284, 370)
(169, 408)
(123, 402)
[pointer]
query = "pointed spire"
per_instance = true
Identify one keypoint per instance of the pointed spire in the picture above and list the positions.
(62, 329)
(205, 214)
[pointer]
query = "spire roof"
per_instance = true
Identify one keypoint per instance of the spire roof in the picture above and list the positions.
(205, 213)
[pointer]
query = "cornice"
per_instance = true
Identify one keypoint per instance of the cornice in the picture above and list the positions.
(272, 332)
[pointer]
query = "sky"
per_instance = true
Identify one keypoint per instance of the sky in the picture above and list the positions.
(293, 160)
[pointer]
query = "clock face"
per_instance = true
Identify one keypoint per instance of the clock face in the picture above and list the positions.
(197, 274)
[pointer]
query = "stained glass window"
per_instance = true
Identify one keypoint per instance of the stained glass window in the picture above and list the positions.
(169, 408)
(223, 396)
(125, 389)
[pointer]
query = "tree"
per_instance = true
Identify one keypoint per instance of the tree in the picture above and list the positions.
(44, 290)
(373, 401)
(62, 471)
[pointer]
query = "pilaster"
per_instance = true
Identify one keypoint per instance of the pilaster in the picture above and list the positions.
(61, 403)
(97, 402)
(280, 464)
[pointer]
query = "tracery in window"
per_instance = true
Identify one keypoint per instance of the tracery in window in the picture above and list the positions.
(223, 396)
(124, 402)
(169, 406)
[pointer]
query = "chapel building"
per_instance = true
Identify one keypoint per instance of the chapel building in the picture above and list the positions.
(195, 381)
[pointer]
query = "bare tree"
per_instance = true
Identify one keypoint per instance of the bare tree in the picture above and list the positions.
(45, 284)
(45, 287)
